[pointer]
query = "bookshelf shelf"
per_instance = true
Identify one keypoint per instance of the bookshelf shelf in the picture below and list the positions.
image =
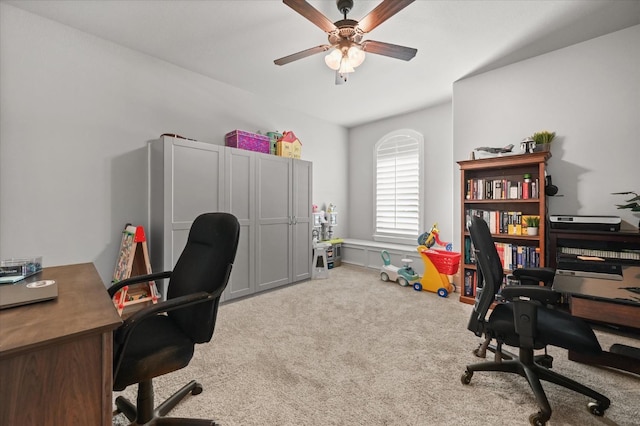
(512, 237)
(506, 201)
(495, 189)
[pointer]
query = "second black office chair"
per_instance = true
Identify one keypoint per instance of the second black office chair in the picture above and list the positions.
(160, 338)
(527, 320)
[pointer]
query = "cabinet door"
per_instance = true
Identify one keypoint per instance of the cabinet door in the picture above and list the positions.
(302, 219)
(273, 221)
(196, 180)
(240, 200)
(186, 179)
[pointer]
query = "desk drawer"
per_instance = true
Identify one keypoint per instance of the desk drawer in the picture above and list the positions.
(608, 312)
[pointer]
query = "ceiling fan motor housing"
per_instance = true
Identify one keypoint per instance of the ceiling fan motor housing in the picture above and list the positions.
(344, 6)
(346, 31)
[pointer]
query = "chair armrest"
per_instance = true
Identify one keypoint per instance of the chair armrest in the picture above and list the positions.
(138, 279)
(544, 295)
(531, 276)
(130, 323)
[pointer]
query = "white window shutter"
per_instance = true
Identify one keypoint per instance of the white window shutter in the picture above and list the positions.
(398, 185)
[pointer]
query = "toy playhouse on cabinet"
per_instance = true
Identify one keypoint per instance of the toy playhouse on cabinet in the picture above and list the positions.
(504, 191)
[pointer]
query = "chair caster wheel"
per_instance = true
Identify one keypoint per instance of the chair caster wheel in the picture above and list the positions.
(197, 389)
(545, 361)
(596, 409)
(466, 377)
(538, 419)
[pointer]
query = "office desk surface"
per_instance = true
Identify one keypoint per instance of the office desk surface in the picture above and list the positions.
(603, 289)
(81, 308)
(56, 356)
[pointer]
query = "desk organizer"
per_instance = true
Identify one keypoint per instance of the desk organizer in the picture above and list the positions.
(13, 270)
(247, 140)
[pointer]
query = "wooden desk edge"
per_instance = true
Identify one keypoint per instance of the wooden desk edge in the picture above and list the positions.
(18, 335)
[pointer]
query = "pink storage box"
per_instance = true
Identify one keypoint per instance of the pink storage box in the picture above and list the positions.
(247, 140)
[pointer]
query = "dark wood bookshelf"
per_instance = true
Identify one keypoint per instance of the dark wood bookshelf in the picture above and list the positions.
(512, 168)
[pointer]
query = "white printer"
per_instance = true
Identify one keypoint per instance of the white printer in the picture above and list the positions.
(585, 223)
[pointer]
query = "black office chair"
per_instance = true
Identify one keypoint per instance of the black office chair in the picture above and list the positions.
(524, 317)
(160, 338)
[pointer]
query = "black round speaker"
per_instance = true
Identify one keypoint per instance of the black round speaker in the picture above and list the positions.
(549, 188)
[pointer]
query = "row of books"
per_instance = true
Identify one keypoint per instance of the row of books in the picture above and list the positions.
(500, 222)
(512, 256)
(502, 189)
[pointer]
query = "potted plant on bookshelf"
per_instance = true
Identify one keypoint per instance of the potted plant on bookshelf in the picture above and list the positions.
(543, 140)
(533, 223)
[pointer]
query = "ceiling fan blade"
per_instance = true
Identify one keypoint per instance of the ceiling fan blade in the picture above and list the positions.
(381, 13)
(388, 49)
(302, 54)
(312, 14)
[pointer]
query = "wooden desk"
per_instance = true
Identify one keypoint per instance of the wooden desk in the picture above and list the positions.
(56, 356)
(610, 302)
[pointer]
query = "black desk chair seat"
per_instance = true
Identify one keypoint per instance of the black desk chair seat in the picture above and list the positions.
(160, 338)
(524, 317)
(555, 328)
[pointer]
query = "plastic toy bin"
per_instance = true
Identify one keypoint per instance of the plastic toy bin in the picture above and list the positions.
(247, 140)
(446, 262)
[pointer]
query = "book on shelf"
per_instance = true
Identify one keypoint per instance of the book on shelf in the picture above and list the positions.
(469, 282)
(469, 252)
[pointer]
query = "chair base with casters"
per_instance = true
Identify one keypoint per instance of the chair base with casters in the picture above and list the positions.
(545, 360)
(144, 413)
(525, 365)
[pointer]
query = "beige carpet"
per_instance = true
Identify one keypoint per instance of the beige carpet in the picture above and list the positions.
(353, 350)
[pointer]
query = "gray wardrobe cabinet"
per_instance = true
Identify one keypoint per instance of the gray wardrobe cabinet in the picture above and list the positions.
(270, 196)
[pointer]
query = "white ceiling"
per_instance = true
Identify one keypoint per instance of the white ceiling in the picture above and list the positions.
(236, 41)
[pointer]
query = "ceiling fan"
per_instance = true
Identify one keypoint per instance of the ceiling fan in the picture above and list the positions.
(346, 35)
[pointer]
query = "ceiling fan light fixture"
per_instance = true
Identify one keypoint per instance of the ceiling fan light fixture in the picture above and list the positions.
(334, 59)
(356, 55)
(345, 66)
(345, 60)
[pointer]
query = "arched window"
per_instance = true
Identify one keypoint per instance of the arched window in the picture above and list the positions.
(398, 185)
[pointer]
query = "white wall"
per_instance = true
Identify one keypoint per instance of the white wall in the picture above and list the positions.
(589, 94)
(76, 113)
(435, 125)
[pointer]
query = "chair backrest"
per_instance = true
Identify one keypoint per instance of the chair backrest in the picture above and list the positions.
(490, 272)
(204, 265)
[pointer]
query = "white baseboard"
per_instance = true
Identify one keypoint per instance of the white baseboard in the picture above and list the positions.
(367, 253)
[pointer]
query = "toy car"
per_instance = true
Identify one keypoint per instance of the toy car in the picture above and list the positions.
(403, 276)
